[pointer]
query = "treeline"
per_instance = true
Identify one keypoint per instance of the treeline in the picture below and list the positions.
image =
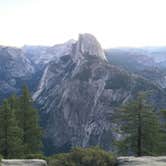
(142, 129)
(20, 134)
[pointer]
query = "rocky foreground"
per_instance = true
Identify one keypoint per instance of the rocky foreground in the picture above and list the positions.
(34, 162)
(122, 161)
(142, 161)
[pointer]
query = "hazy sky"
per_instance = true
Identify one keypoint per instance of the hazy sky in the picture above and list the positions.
(113, 22)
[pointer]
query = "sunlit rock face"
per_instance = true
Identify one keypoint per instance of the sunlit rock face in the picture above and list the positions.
(78, 95)
(88, 45)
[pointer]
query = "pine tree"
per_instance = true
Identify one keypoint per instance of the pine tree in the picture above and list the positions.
(29, 123)
(10, 133)
(140, 128)
(163, 132)
(13, 103)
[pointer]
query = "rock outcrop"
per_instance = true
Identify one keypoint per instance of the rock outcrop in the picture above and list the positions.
(28, 162)
(142, 161)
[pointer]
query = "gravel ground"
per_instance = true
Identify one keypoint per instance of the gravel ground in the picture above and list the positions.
(142, 161)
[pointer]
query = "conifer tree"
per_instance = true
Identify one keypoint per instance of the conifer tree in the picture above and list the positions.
(163, 132)
(13, 103)
(29, 123)
(140, 128)
(10, 133)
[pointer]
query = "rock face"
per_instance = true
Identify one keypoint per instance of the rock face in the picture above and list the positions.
(30, 162)
(78, 95)
(142, 161)
(88, 45)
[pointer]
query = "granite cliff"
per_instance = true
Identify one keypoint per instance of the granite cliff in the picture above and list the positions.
(79, 93)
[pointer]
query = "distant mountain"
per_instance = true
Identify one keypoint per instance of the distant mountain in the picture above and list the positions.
(42, 55)
(158, 53)
(15, 69)
(149, 62)
(19, 66)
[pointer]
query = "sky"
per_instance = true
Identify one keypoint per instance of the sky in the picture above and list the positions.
(115, 23)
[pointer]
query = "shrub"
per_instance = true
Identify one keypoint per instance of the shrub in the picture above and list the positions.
(83, 157)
